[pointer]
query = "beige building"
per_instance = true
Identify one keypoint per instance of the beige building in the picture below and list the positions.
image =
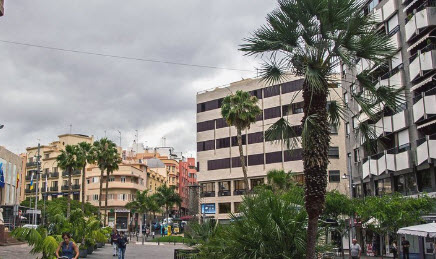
(219, 171)
(57, 181)
(11, 165)
(123, 185)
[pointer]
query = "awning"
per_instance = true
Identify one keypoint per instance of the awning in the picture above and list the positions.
(418, 85)
(409, 5)
(424, 230)
(426, 124)
(420, 41)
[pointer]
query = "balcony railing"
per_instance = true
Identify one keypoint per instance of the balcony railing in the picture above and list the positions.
(29, 177)
(395, 159)
(75, 186)
(426, 149)
(422, 62)
(54, 175)
(207, 194)
(73, 173)
(54, 188)
(238, 192)
(424, 17)
(424, 105)
(224, 193)
(64, 188)
(31, 164)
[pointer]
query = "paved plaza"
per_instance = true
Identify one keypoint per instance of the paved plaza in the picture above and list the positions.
(147, 251)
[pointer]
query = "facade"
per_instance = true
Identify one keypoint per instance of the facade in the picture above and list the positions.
(219, 171)
(11, 165)
(403, 160)
(122, 188)
(404, 163)
(23, 173)
(187, 177)
(57, 181)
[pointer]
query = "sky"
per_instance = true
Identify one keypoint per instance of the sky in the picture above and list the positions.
(43, 92)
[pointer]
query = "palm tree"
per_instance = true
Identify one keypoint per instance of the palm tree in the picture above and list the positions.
(112, 165)
(85, 156)
(311, 39)
(103, 154)
(67, 161)
(240, 110)
(142, 204)
(167, 197)
(279, 179)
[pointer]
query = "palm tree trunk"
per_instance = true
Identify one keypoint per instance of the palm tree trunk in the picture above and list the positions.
(99, 196)
(242, 158)
(105, 198)
(69, 194)
(83, 188)
(315, 159)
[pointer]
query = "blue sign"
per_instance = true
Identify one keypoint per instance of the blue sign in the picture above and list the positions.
(208, 208)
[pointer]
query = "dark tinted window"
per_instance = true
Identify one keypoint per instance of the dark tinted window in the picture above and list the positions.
(221, 123)
(259, 117)
(210, 105)
(256, 137)
(334, 176)
(292, 86)
(297, 107)
(205, 145)
(255, 159)
(271, 91)
(293, 155)
(257, 93)
(222, 143)
(236, 162)
(334, 152)
(285, 110)
(273, 112)
(218, 164)
(205, 125)
(235, 140)
(274, 157)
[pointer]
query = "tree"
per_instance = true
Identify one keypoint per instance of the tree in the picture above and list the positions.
(67, 160)
(84, 156)
(279, 179)
(167, 197)
(111, 166)
(104, 150)
(240, 110)
(311, 39)
(142, 204)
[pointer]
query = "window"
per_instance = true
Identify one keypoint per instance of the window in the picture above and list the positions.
(224, 208)
(221, 123)
(273, 112)
(356, 155)
(235, 140)
(334, 152)
(257, 93)
(76, 197)
(297, 107)
(123, 179)
(271, 91)
(95, 197)
(111, 179)
(255, 159)
(274, 157)
(222, 143)
(205, 125)
(54, 184)
(218, 164)
(334, 176)
(424, 180)
(236, 206)
(46, 156)
(256, 182)
(346, 98)
(205, 145)
(239, 185)
(55, 169)
(224, 188)
(76, 182)
(255, 138)
(392, 24)
(208, 187)
(292, 86)
(347, 128)
(122, 196)
(293, 155)
(355, 122)
(95, 179)
(349, 162)
(333, 129)
(236, 161)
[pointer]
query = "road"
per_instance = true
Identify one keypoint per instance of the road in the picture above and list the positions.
(147, 251)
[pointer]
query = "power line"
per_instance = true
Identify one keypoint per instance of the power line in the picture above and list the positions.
(122, 57)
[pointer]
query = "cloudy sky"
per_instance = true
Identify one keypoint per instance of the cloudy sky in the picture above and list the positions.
(44, 91)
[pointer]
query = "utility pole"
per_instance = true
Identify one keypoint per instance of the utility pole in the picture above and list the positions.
(35, 216)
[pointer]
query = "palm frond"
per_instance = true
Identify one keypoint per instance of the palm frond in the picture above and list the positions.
(336, 112)
(281, 130)
(273, 71)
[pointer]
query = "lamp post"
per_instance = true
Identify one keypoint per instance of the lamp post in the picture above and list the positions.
(350, 182)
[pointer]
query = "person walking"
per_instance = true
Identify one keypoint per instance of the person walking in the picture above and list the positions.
(114, 239)
(395, 249)
(69, 248)
(405, 244)
(355, 250)
(122, 243)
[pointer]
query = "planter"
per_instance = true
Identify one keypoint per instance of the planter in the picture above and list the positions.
(83, 253)
(99, 245)
(90, 250)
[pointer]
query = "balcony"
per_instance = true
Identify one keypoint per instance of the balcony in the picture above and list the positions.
(423, 61)
(389, 124)
(74, 173)
(224, 193)
(54, 175)
(29, 177)
(238, 192)
(207, 194)
(75, 186)
(64, 187)
(425, 16)
(424, 105)
(54, 188)
(426, 149)
(28, 191)
(389, 8)
(31, 164)
(391, 160)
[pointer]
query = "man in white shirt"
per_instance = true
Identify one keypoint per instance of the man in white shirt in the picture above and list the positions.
(355, 250)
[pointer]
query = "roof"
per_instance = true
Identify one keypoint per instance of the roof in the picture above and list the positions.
(155, 163)
(423, 230)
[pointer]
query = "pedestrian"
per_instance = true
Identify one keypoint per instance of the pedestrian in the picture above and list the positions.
(114, 238)
(122, 242)
(355, 250)
(394, 249)
(69, 248)
(405, 244)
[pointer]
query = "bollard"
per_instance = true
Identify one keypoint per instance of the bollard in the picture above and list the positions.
(142, 239)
